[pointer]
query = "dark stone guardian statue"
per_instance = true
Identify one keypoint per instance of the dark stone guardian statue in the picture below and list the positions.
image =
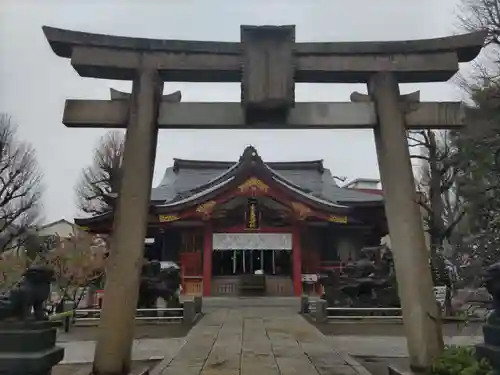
(28, 295)
(158, 283)
(27, 338)
(368, 282)
(490, 349)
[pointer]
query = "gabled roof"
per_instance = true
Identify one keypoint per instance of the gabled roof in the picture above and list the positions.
(188, 176)
(60, 221)
(191, 182)
(249, 165)
(315, 165)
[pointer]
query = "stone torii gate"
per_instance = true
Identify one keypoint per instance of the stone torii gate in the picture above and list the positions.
(267, 62)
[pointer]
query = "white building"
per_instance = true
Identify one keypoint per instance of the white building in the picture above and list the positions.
(61, 228)
(364, 183)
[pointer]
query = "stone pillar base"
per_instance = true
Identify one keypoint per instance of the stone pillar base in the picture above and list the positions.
(28, 348)
(490, 349)
(491, 353)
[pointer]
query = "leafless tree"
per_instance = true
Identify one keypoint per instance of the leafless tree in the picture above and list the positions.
(479, 15)
(480, 142)
(20, 187)
(437, 183)
(482, 15)
(97, 189)
(79, 264)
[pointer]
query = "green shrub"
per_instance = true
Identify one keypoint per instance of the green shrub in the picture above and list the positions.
(460, 360)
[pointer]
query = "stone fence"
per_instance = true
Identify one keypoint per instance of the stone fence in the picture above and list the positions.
(188, 313)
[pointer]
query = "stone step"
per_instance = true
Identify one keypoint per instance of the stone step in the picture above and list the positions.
(232, 302)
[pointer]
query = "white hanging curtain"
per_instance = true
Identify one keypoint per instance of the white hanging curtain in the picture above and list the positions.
(252, 241)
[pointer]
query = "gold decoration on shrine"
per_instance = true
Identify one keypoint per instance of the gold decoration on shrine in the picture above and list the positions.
(83, 228)
(167, 218)
(252, 215)
(253, 184)
(301, 210)
(337, 219)
(206, 208)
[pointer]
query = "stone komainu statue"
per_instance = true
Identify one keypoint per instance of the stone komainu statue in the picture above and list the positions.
(490, 348)
(158, 283)
(30, 294)
(368, 282)
(492, 283)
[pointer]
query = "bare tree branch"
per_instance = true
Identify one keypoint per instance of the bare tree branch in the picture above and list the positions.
(20, 187)
(436, 184)
(482, 15)
(98, 186)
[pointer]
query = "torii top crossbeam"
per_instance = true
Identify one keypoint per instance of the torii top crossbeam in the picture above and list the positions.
(426, 60)
(267, 62)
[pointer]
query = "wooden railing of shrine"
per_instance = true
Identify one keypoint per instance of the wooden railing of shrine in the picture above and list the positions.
(334, 265)
(191, 273)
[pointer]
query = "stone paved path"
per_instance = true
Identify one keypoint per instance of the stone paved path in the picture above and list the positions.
(143, 349)
(257, 341)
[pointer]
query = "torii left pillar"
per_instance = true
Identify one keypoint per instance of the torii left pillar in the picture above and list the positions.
(116, 327)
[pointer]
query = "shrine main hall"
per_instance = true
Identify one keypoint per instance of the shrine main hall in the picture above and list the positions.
(226, 224)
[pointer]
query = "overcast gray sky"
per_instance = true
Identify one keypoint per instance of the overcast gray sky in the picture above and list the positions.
(35, 82)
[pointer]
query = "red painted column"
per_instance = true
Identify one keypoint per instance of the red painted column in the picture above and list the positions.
(296, 260)
(207, 258)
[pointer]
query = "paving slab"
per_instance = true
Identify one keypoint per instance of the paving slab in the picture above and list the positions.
(257, 340)
(225, 355)
(257, 356)
(78, 352)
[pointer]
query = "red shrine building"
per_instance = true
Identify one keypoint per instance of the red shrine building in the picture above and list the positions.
(284, 221)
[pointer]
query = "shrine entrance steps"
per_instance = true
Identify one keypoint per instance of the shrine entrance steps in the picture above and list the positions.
(257, 340)
(291, 303)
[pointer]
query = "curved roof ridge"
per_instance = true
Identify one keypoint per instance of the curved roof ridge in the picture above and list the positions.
(213, 181)
(286, 181)
(197, 194)
(193, 163)
(165, 178)
(301, 164)
(310, 196)
(302, 191)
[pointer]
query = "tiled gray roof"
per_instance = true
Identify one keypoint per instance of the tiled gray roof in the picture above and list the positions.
(317, 181)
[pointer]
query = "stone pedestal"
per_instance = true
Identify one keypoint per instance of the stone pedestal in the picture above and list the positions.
(198, 304)
(188, 312)
(321, 312)
(28, 348)
(304, 304)
(490, 349)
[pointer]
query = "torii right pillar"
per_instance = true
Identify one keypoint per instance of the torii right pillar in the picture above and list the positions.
(421, 315)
